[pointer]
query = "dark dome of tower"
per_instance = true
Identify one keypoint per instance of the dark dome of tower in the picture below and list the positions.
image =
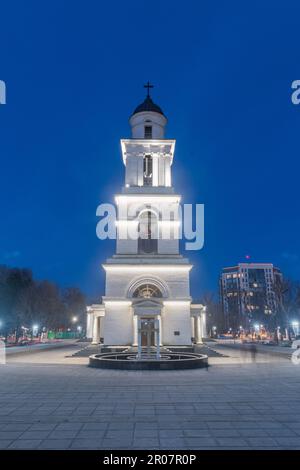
(148, 105)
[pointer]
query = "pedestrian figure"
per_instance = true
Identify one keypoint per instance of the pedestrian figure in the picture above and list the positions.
(253, 350)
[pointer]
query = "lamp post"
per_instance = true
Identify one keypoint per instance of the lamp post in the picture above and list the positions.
(35, 330)
(74, 321)
(295, 325)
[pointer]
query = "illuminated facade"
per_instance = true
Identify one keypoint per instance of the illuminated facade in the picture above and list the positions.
(147, 280)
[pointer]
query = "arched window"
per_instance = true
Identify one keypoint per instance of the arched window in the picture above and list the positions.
(147, 175)
(147, 241)
(146, 291)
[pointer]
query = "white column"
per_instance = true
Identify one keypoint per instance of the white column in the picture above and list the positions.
(193, 328)
(89, 333)
(139, 339)
(160, 330)
(203, 323)
(135, 330)
(96, 330)
(155, 170)
(198, 330)
(157, 334)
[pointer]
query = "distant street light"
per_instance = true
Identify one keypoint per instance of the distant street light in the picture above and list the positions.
(295, 325)
(74, 319)
(35, 330)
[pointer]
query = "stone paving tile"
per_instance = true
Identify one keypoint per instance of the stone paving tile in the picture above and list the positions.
(95, 426)
(52, 444)
(119, 434)
(35, 435)
(15, 427)
(261, 441)
(147, 425)
(89, 444)
(25, 444)
(92, 434)
(63, 434)
(5, 443)
(225, 433)
(288, 442)
(231, 442)
(253, 432)
(219, 425)
(170, 433)
(172, 443)
(281, 432)
(146, 443)
(201, 442)
(196, 433)
(119, 426)
(10, 434)
(42, 426)
(69, 427)
(116, 443)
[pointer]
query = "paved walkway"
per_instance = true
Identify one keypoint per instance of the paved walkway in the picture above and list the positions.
(50, 401)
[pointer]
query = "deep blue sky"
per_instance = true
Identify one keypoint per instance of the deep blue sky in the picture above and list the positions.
(222, 71)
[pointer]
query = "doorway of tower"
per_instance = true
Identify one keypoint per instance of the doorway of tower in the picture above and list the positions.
(148, 331)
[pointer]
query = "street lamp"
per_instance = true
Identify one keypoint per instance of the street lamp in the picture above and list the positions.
(74, 319)
(295, 325)
(35, 330)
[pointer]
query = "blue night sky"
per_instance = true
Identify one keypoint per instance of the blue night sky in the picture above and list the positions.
(222, 72)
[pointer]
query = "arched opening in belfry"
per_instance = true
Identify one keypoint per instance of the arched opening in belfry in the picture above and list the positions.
(148, 170)
(148, 233)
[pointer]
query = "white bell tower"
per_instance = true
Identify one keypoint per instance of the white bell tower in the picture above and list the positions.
(147, 280)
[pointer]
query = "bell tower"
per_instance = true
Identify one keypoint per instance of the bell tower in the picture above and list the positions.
(147, 279)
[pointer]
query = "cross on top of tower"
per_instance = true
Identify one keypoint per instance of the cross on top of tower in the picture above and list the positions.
(148, 86)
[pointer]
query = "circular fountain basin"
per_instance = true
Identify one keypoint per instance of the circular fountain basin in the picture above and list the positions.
(167, 361)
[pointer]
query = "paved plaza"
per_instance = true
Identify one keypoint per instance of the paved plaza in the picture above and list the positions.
(50, 401)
